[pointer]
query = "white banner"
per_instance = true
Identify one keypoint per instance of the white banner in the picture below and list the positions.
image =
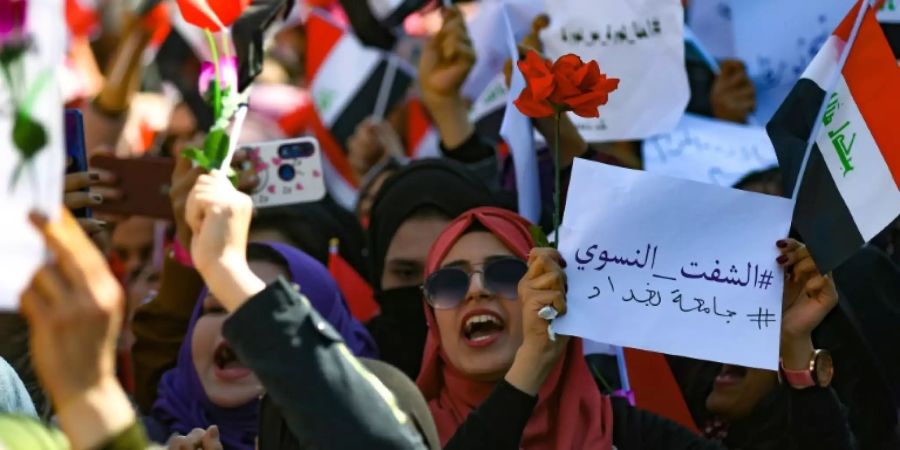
(709, 150)
(518, 133)
(777, 39)
(641, 42)
(673, 266)
(38, 184)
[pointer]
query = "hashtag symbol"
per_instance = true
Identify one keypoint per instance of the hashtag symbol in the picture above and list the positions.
(762, 318)
(765, 280)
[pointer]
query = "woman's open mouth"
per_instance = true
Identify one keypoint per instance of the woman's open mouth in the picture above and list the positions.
(730, 376)
(226, 366)
(482, 328)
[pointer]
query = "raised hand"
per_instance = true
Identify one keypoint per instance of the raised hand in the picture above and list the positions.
(733, 97)
(74, 307)
(808, 297)
(219, 218)
(447, 59)
(543, 285)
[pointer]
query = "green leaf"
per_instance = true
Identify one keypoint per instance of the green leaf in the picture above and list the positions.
(28, 135)
(216, 147)
(216, 99)
(539, 237)
(196, 155)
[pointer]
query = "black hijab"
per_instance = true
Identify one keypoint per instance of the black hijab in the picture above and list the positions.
(444, 185)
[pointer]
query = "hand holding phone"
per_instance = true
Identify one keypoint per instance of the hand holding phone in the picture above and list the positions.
(144, 184)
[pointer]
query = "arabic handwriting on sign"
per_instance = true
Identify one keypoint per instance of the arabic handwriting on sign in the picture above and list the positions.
(628, 33)
(728, 313)
(596, 293)
(605, 258)
(841, 147)
(734, 277)
(700, 305)
(649, 301)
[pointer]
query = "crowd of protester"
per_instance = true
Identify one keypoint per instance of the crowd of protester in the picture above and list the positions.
(225, 328)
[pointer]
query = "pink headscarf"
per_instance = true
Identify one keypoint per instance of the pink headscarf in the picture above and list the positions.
(570, 413)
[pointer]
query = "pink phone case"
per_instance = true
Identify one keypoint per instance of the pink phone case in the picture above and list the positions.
(289, 171)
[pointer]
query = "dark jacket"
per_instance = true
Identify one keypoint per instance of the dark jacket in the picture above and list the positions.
(327, 398)
(817, 422)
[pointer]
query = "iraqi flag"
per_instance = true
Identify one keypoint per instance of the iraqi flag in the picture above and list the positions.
(850, 190)
(374, 21)
(346, 80)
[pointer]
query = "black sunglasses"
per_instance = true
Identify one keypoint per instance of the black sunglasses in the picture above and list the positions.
(446, 288)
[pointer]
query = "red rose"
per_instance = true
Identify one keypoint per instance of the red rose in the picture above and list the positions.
(211, 14)
(567, 85)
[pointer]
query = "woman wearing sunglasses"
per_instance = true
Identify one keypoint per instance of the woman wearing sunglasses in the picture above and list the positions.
(494, 379)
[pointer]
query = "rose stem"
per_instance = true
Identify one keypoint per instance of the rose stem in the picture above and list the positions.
(217, 94)
(556, 191)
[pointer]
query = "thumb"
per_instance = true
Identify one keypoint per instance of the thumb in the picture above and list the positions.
(210, 440)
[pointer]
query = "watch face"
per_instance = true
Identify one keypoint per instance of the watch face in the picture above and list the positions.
(824, 368)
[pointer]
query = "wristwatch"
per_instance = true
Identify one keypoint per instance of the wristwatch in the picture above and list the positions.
(820, 372)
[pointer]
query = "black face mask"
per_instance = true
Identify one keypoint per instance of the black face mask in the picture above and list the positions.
(400, 329)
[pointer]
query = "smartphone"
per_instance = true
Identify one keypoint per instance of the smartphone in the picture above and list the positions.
(76, 151)
(289, 172)
(144, 183)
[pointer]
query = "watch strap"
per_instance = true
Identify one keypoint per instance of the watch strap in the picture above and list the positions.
(798, 379)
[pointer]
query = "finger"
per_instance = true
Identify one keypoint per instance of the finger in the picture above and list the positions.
(107, 193)
(789, 258)
(34, 307)
(552, 280)
(555, 299)
(211, 439)
(78, 199)
(76, 254)
(787, 245)
(92, 226)
(815, 284)
(105, 177)
(49, 283)
(80, 180)
(536, 266)
(804, 269)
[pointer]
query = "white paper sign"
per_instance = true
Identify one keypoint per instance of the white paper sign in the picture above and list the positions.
(777, 39)
(518, 133)
(39, 186)
(709, 151)
(889, 12)
(711, 21)
(673, 266)
(488, 31)
(641, 43)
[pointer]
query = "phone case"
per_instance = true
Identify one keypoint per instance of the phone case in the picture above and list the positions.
(144, 182)
(76, 152)
(289, 171)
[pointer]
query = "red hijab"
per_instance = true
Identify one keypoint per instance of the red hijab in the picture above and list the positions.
(570, 413)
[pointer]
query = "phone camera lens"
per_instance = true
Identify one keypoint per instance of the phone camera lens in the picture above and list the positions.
(298, 150)
(286, 172)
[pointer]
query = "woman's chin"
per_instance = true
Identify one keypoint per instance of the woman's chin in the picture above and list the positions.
(233, 395)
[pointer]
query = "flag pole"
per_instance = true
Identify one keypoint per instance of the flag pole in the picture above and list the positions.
(384, 92)
(625, 385)
(832, 82)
